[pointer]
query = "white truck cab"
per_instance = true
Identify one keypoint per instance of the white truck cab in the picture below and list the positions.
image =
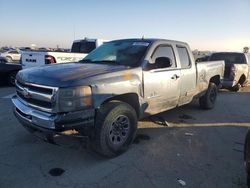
(80, 48)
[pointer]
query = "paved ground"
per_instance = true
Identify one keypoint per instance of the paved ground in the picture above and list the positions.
(202, 148)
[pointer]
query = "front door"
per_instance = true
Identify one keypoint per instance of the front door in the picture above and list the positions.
(161, 85)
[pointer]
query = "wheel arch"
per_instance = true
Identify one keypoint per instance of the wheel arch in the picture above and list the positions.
(130, 98)
(242, 79)
(216, 80)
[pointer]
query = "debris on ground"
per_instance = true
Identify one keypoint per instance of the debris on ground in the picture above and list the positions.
(159, 121)
(181, 182)
(189, 134)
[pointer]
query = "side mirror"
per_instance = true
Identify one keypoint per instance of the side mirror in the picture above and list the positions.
(163, 62)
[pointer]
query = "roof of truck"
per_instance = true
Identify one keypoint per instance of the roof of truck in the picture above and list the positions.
(150, 40)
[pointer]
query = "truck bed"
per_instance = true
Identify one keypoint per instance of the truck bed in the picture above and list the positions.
(206, 70)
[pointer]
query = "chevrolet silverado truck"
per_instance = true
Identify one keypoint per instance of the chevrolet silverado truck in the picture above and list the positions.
(103, 96)
(79, 49)
(237, 69)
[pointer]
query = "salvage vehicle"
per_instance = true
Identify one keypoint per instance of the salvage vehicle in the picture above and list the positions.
(12, 55)
(79, 49)
(8, 71)
(237, 69)
(103, 96)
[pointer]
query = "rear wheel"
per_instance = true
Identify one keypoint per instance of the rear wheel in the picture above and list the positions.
(207, 101)
(115, 128)
(12, 78)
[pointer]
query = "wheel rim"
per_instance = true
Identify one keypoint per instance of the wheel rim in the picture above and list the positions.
(119, 130)
(212, 95)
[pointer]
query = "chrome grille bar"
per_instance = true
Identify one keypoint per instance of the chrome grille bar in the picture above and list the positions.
(38, 96)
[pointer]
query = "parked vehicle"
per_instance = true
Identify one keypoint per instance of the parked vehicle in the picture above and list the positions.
(3, 60)
(11, 55)
(80, 48)
(237, 69)
(104, 95)
(204, 58)
(8, 71)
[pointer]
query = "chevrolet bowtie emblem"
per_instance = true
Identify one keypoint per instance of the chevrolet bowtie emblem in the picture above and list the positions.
(26, 93)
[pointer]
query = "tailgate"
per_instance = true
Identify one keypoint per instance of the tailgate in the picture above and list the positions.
(32, 59)
(62, 57)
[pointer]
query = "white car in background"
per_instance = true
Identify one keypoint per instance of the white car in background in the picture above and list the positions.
(11, 55)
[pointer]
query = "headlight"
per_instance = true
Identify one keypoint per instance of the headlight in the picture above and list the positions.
(71, 99)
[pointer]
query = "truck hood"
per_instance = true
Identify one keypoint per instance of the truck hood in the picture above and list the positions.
(65, 75)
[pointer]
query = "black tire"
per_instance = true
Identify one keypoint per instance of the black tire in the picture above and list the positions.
(115, 128)
(12, 78)
(236, 87)
(208, 100)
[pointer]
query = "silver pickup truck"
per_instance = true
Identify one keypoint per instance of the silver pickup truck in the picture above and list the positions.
(103, 96)
(237, 69)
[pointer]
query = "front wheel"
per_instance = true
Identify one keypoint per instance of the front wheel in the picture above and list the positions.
(115, 128)
(207, 101)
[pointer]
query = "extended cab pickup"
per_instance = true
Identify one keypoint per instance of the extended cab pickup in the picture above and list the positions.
(104, 95)
(79, 49)
(237, 69)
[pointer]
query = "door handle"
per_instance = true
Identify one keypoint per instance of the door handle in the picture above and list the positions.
(175, 76)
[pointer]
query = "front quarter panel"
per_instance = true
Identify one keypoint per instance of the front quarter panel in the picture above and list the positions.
(107, 86)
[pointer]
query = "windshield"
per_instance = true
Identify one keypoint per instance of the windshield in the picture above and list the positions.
(229, 58)
(128, 53)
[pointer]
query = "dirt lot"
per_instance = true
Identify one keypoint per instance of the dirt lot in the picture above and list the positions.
(202, 148)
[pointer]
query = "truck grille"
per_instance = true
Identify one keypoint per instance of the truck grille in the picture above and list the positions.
(37, 96)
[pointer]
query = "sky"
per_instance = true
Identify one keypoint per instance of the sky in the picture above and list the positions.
(217, 25)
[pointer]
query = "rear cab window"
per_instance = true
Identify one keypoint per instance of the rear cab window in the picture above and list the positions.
(83, 46)
(13, 52)
(229, 58)
(184, 57)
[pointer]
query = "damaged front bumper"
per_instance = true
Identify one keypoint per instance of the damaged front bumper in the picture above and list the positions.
(49, 125)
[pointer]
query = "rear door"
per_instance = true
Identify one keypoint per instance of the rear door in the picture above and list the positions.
(162, 85)
(32, 59)
(188, 75)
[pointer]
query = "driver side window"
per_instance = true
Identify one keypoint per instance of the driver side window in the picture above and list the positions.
(164, 51)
